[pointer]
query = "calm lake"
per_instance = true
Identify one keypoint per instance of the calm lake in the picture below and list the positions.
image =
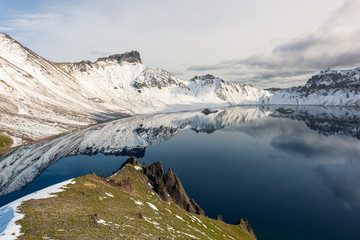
(293, 176)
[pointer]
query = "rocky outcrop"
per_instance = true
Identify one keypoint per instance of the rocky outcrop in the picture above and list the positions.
(244, 223)
(129, 57)
(284, 110)
(207, 111)
(157, 78)
(333, 80)
(203, 77)
(175, 189)
(169, 188)
(131, 161)
(124, 185)
(155, 174)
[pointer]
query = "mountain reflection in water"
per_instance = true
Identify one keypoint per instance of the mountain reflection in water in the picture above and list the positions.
(313, 145)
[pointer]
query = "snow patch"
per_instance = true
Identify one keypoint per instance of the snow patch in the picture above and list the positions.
(189, 235)
(177, 216)
(137, 202)
(9, 214)
(151, 221)
(152, 206)
(101, 221)
(109, 194)
(138, 168)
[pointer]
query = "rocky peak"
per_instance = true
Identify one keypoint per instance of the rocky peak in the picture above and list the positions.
(129, 57)
(332, 80)
(131, 161)
(203, 77)
(170, 187)
(4, 35)
(245, 224)
(6, 39)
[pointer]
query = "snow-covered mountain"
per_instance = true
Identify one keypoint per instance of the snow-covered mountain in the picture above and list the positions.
(40, 98)
(329, 87)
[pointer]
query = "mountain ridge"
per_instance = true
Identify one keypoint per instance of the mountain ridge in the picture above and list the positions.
(41, 98)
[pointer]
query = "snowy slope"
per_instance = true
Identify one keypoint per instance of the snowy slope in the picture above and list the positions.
(10, 215)
(40, 98)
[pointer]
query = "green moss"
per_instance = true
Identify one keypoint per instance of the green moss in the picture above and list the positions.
(5, 142)
(94, 209)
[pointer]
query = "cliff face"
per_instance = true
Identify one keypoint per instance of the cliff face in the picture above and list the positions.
(169, 188)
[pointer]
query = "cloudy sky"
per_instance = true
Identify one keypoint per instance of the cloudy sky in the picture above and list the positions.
(276, 43)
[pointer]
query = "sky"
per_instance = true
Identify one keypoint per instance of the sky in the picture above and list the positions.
(278, 43)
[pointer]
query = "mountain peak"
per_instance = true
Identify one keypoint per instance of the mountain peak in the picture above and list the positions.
(4, 35)
(7, 38)
(129, 57)
(203, 77)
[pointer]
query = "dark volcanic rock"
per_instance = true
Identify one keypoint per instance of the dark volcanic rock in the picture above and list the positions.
(129, 57)
(246, 224)
(155, 174)
(131, 161)
(207, 111)
(170, 187)
(285, 110)
(176, 191)
(203, 77)
(124, 185)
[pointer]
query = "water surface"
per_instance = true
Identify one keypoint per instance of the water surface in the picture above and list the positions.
(294, 176)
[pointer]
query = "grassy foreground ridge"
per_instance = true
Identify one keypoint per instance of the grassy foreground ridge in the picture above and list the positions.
(123, 206)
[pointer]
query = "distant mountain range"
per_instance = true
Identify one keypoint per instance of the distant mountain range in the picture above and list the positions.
(40, 98)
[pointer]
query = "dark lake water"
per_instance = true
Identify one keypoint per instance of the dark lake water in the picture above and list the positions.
(293, 176)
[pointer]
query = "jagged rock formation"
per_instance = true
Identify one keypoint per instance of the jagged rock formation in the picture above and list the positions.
(169, 187)
(332, 80)
(246, 225)
(129, 57)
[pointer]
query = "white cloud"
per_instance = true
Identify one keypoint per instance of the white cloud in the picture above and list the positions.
(334, 44)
